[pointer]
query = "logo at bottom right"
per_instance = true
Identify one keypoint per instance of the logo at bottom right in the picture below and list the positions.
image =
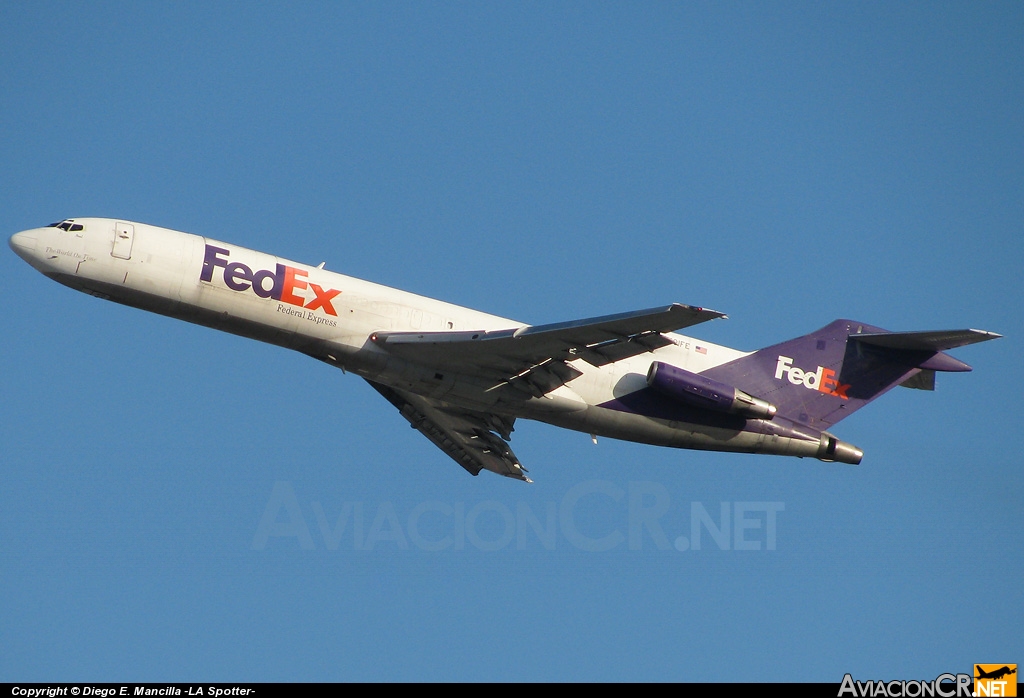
(995, 680)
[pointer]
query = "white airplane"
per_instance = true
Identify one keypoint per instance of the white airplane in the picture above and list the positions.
(462, 377)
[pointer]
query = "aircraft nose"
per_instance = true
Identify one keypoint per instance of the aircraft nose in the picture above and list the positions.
(24, 244)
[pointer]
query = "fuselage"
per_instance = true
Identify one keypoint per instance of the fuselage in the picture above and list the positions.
(332, 317)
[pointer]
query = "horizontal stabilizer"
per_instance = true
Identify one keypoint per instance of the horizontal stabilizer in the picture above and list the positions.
(925, 341)
(924, 380)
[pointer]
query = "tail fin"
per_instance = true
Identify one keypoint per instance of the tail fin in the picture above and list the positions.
(826, 376)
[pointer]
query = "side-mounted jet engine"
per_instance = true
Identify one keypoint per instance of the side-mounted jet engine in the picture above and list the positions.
(698, 391)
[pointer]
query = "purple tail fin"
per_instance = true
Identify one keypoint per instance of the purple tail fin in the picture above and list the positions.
(826, 376)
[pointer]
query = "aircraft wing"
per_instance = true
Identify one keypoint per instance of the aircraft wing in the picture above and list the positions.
(465, 435)
(536, 359)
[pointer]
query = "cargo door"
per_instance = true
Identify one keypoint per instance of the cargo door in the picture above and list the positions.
(124, 236)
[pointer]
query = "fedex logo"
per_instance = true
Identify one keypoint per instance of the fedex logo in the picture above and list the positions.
(822, 380)
(280, 284)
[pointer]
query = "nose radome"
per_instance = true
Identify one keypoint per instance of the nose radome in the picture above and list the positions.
(23, 244)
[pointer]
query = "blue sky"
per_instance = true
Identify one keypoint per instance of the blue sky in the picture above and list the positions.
(787, 164)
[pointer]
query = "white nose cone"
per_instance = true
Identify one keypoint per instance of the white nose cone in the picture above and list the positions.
(24, 245)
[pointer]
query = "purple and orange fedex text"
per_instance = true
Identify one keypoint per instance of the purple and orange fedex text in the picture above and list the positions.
(822, 380)
(284, 281)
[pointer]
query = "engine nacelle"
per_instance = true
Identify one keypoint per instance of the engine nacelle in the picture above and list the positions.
(698, 391)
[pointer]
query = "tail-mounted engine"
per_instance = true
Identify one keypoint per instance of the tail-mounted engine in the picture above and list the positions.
(698, 391)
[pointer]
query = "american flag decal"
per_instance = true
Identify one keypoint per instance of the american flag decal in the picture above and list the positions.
(701, 350)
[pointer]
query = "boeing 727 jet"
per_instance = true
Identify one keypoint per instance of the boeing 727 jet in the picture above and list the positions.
(463, 377)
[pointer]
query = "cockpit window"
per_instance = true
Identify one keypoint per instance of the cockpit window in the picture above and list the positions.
(68, 225)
